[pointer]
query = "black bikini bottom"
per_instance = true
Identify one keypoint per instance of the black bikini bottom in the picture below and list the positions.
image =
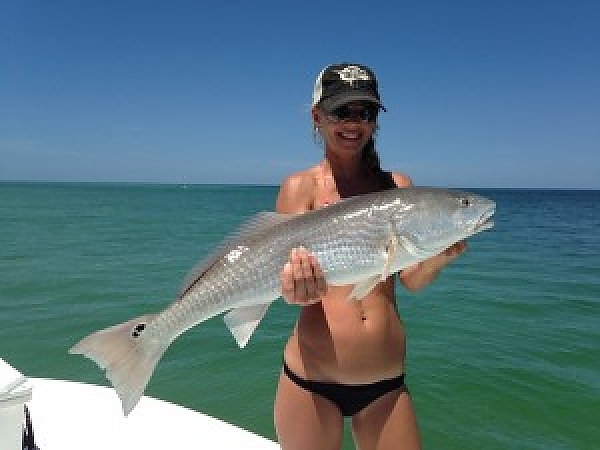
(349, 398)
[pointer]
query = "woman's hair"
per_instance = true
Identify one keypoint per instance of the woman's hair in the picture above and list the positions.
(370, 156)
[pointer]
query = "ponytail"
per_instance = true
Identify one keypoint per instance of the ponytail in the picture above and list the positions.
(370, 158)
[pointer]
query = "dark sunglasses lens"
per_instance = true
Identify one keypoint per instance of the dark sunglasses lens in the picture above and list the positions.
(366, 114)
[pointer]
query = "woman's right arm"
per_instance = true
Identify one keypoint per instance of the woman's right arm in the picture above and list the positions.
(302, 280)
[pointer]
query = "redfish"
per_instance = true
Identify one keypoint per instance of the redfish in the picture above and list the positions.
(358, 241)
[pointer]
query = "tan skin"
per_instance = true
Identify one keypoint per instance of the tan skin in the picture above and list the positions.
(334, 339)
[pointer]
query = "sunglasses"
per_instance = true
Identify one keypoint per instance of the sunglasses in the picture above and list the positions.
(365, 114)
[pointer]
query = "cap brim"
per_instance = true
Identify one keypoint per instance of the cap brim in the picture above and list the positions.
(331, 103)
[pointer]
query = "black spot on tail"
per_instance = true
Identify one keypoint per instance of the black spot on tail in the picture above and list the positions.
(138, 330)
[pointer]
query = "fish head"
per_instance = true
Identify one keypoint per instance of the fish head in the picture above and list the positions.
(433, 219)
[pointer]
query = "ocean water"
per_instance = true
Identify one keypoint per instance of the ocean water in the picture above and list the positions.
(503, 348)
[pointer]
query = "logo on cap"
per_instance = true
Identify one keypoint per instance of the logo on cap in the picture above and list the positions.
(350, 74)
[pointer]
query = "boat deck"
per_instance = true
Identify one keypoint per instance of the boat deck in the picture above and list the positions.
(67, 415)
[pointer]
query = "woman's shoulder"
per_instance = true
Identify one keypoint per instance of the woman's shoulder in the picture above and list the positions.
(390, 180)
(297, 191)
(400, 179)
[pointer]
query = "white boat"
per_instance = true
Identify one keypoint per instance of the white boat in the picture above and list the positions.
(68, 415)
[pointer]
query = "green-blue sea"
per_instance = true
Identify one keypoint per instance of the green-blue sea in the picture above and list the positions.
(503, 348)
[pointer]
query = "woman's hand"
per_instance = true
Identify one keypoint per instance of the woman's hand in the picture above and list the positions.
(302, 279)
(423, 273)
(451, 253)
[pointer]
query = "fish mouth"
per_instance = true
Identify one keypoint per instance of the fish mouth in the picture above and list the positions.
(485, 221)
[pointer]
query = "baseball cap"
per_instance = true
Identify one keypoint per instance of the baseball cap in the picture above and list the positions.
(338, 84)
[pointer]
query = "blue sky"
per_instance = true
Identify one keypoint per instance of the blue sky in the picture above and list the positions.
(479, 93)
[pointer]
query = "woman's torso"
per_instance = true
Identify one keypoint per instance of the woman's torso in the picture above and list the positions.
(351, 342)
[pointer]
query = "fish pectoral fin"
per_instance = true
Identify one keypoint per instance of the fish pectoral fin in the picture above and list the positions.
(391, 249)
(407, 242)
(243, 321)
(362, 288)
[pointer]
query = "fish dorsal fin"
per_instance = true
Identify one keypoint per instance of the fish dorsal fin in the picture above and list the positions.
(254, 227)
(257, 224)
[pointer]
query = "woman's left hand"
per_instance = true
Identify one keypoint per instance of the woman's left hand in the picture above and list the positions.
(451, 253)
(423, 273)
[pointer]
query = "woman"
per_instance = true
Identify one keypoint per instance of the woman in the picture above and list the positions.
(345, 359)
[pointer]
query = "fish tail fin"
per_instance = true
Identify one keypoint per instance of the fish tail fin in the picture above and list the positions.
(128, 356)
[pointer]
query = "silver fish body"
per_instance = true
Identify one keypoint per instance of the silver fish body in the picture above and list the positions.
(358, 241)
